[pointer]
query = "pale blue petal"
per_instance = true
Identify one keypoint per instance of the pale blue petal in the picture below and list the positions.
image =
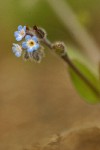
(24, 45)
(27, 37)
(37, 46)
(24, 28)
(19, 38)
(16, 33)
(30, 49)
(18, 54)
(35, 38)
(20, 27)
(14, 49)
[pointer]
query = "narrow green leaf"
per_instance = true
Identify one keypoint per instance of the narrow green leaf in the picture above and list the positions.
(84, 90)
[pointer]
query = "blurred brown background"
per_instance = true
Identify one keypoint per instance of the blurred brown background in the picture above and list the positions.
(39, 100)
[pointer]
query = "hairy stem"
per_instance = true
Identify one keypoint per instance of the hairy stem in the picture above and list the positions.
(69, 62)
(74, 68)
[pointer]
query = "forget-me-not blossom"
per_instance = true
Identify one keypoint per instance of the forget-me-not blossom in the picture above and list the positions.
(17, 49)
(31, 44)
(20, 34)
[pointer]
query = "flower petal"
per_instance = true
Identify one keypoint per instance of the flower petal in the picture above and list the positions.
(30, 49)
(15, 44)
(35, 38)
(18, 54)
(14, 49)
(36, 46)
(24, 45)
(27, 37)
(24, 28)
(16, 33)
(20, 27)
(18, 38)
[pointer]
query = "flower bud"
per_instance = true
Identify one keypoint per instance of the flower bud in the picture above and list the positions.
(38, 55)
(25, 55)
(59, 48)
(40, 33)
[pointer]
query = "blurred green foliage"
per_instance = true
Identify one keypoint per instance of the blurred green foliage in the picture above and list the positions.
(38, 12)
(86, 92)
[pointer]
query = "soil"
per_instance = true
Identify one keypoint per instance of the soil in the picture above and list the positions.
(38, 101)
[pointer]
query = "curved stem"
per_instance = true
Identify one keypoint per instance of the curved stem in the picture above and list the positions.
(74, 68)
(69, 62)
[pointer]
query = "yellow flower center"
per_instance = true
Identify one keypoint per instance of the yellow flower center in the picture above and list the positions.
(31, 43)
(22, 32)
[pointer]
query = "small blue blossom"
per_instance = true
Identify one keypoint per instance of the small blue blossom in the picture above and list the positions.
(30, 48)
(20, 33)
(17, 50)
(31, 43)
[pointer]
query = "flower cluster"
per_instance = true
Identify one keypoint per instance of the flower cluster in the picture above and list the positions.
(29, 45)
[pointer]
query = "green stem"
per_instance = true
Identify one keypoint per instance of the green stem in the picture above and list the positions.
(69, 62)
(77, 71)
(74, 68)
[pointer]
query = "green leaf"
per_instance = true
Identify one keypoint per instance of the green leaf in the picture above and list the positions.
(84, 90)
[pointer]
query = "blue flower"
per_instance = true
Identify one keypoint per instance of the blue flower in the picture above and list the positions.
(31, 43)
(20, 33)
(17, 50)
